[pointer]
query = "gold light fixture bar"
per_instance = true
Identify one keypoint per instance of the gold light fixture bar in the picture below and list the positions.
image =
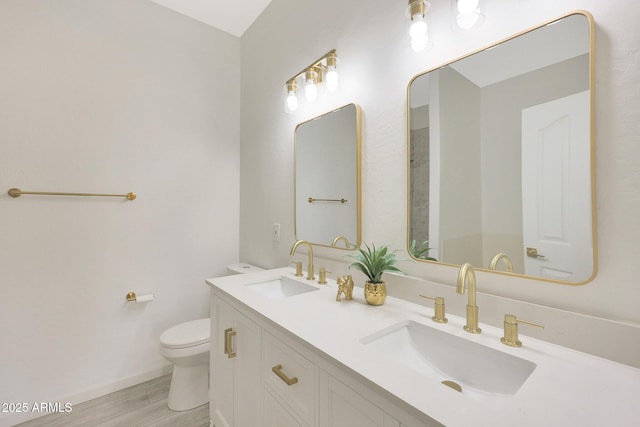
(320, 73)
(16, 192)
(317, 65)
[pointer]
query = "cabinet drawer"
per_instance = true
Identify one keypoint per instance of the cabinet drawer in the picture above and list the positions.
(290, 376)
(275, 415)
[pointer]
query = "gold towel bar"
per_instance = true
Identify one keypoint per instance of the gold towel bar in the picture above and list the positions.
(16, 192)
(311, 200)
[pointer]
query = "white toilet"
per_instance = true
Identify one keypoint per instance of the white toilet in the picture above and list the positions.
(187, 346)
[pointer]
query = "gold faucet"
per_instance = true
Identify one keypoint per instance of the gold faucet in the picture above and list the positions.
(310, 275)
(501, 256)
(337, 239)
(467, 275)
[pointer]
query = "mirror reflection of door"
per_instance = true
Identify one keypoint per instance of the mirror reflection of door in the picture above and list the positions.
(556, 205)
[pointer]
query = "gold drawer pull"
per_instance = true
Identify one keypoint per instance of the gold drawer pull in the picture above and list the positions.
(228, 343)
(278, 371)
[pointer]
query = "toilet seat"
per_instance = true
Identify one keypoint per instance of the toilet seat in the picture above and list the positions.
(188, 334)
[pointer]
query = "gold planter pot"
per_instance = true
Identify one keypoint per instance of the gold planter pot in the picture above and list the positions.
(375, 293)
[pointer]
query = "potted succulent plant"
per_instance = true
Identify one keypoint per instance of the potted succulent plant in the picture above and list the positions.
(373, 262)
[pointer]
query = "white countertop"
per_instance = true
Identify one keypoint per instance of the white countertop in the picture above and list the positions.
(567, 388)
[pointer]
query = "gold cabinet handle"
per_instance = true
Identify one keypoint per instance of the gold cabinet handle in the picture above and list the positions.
(228, 342)
(278, 371)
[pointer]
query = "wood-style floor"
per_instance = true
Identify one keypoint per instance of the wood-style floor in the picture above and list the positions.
(141, 405)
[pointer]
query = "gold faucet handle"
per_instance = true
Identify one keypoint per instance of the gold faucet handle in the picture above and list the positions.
(322, 280)
(510, 337)
(298, 267)
(439, 315)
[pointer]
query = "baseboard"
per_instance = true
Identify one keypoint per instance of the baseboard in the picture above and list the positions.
(119, 385)
(91, 394)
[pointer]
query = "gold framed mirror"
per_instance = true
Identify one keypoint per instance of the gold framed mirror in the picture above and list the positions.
(327, 200)
(501, 167)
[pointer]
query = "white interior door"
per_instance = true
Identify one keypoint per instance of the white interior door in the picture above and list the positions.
(556, 189)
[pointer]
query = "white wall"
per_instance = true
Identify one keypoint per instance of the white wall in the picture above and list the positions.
(376, 65)
(109, 96)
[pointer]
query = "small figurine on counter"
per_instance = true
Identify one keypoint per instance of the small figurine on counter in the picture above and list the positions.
(345, 285)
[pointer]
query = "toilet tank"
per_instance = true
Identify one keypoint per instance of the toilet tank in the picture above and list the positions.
(242, 267)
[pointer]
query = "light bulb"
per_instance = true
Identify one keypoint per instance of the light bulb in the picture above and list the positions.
(292, 101)
(311, 91)
(291, 97)
(469, 14)
(332, 78)
(418, 29)
(467, 6)
(418, 33)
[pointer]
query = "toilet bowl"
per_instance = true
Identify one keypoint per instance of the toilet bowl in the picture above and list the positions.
(187, 346)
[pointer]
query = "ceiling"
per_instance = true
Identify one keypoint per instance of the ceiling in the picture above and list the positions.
(546, 45)
(553, 43)
(231, 16)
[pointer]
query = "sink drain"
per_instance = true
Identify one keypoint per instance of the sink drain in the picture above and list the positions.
(453, 385)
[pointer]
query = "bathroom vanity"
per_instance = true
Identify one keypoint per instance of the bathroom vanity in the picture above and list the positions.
(284, 352)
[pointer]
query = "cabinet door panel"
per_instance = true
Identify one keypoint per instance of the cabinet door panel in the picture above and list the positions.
(221, 385)
(275, 415)
(247, 374)
(342, 407)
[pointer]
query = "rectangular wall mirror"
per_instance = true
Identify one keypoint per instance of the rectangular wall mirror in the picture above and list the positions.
(501, 156)
(327, 179)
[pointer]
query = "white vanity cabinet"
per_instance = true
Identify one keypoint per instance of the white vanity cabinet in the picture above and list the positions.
(262, 376)
(291, 377)
(302, 359)
(341, 406)
(236, 355)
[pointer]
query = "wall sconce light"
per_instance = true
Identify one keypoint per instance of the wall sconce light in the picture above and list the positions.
(313, 76)
(332, 71)
(311, 80)
(418, 12)
(467, 13)
(291, 100)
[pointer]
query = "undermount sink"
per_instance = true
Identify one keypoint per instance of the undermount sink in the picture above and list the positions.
(477, 369)
(280, 288)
